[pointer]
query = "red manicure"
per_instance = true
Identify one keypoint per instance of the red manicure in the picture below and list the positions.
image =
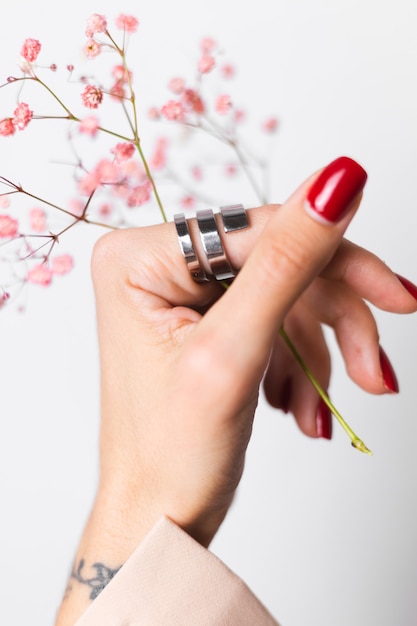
(333, 192)
(324, 420)
(411, 287)
(389, 377)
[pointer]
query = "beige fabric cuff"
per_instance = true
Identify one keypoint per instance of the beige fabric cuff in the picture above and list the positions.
(171, 580)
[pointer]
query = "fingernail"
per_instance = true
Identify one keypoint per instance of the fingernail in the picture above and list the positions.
(389, 377)
(323, 420)
(333, 192)
(411, 287)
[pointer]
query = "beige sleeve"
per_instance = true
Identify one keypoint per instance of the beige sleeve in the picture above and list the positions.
(171, 580)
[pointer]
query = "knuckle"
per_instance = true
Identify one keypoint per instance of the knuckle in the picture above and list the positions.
(106, 251)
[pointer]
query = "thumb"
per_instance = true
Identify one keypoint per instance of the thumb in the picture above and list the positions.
(296, 244)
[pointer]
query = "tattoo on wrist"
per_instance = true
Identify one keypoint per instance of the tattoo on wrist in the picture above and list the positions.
(97, 583)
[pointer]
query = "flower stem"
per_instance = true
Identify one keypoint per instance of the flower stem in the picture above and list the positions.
(356, 442)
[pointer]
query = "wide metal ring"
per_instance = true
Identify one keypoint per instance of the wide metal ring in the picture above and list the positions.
(213, 247)
(187, 248)
(234, 217)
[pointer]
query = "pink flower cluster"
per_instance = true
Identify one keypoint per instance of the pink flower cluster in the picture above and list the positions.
(91, 96)
(9, 227)
(43, 273)
(124, 177)
(189, 99)
(30, 50)
(21, 118)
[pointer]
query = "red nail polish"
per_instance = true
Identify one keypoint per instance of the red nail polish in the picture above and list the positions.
(411, 287)
(324, 420)
(333, 192)
(389, 377)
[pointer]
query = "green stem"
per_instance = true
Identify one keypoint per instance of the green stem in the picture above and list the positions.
(356, 442)
(134, 126)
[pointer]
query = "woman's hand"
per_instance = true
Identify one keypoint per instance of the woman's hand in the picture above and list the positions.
(182, 363)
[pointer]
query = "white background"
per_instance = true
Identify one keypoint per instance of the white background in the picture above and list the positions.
(323, 535)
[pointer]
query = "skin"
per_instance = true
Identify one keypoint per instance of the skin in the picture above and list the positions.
(182, 364)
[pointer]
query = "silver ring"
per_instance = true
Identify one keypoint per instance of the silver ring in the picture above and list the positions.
(234, 217)
(187, 248)
(213, 247)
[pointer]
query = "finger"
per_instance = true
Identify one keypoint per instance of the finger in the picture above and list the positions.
(290, 252)
(285, 384)
(356, 333)
(370, 278)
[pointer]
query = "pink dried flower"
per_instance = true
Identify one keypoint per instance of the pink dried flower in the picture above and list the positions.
(173, 111)
(37, 220)
(62, 264)
(7, 128)
(193, 101)
(3, 298)
(153, 113)
(197, 172)
(159, 158)
(206, 64)
(91, 96)
(123, 151)
(39, 274)
(208, 44)
(118, 91)
(121, 74)
(76, 207)
(240, 116)
(228, 71)
(231, 169)
(30, 50)
(106, 171)
(89, 125)
(88, 183)
(270, 125)
(70, 67)
(22, 115)
(176, 85)
(4, 202)
(53, 67)
(188, 202)
(9, 227)
(128, 23)
(139, 195)
(105, 210)
(92, 48)
(96, 24)
(223, 104)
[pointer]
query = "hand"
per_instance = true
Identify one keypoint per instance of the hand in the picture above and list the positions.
(182, 363)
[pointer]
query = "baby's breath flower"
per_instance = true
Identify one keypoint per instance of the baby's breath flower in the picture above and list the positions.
(39, 274)
(206, 64)
(92, 48)
(30, 50)
(128, 23)
(22, 115)
(7, 128)
(223, 104)
(9, 227)
(91, 96)
(173, 110)
(96, 24)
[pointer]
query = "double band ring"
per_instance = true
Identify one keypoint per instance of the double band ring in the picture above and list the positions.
(233, 218)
